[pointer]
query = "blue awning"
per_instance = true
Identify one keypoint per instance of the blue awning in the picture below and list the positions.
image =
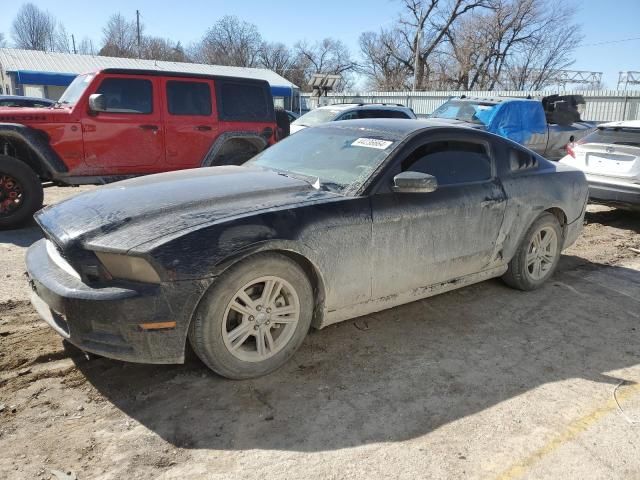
(31, 77)
(279, 91)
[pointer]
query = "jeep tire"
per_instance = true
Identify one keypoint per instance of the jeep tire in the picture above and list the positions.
(21, 192)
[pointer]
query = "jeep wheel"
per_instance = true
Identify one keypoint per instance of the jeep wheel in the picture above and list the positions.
(20, 192)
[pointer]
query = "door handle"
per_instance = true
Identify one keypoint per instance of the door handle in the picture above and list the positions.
(203, 128)
(154, 128)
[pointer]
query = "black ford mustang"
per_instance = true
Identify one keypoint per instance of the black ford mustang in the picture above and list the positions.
(334, 222)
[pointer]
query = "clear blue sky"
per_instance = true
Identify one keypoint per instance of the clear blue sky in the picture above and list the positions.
(289, 21)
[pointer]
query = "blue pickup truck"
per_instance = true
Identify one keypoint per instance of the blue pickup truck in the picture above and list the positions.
(545, 126)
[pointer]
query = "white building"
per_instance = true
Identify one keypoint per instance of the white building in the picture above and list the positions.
(34, 73)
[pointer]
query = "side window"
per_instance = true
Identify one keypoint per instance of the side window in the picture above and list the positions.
(243, 101)
(451, 161)
(127, 95)
(396, 114)
(188, 98)
(349, 116)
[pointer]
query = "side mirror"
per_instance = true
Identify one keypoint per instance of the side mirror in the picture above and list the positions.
(97, 103)
(414, 182)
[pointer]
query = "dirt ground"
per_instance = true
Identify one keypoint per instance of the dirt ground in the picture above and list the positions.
(482, 382)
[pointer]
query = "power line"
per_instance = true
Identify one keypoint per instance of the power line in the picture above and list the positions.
(608, 42)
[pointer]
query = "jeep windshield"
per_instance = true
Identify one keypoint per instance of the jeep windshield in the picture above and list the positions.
(75, 90)
(463, 110)
(331, 158)
(317, 116)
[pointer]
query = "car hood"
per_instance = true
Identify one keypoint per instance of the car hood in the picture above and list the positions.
(29, 115)
(123, 215)
(296, 128)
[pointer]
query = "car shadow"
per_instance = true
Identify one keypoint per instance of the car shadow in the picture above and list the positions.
(615, 217)
(22, 236)
(398, 374)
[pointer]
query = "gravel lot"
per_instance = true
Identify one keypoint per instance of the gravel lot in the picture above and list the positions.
(483, 382)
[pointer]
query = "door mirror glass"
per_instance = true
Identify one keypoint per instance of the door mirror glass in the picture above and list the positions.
(414, 182)
(97, 103)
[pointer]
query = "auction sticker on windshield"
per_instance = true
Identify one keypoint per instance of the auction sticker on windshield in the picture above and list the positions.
(372, 143)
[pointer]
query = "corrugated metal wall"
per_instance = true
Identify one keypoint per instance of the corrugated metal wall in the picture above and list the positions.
(602, 105)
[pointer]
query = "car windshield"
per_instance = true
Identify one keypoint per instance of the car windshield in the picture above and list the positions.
(315, 117)
(75, 90)
(335, 159)
(461, 110)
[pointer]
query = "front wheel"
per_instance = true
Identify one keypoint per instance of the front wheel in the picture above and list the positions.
(254, 317)
(537, 256)
(21, 193)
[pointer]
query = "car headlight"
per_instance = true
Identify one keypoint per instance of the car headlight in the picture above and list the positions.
(128, 268)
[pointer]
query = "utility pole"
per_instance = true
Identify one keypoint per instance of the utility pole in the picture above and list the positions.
(138, 29)
(73, 42)
(417, 60)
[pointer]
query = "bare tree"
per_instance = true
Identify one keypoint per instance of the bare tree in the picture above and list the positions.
(230, 41)
(33, 29)
(329, 56)
(381, 65)
(120, 37)
(3, 41)
(62, 40)
(85, 47)
(276, 56)
(157, 48)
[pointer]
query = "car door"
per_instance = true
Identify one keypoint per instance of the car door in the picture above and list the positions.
(421, 239)
(190, 121)
(127, 137)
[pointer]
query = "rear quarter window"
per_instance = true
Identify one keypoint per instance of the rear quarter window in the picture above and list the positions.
(244, 101)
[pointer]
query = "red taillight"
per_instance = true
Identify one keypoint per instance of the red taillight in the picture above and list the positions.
(570, 147)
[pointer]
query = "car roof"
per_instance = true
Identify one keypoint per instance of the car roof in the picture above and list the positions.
(623, 124)
(364, 106)
(20, 97)
(395, 126)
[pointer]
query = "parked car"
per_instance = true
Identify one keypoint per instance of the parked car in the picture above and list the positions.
(610, 158)
(18, 101)
(293, 116)
(337, 221)
(119, 123)
(350, 111)
(543, 126)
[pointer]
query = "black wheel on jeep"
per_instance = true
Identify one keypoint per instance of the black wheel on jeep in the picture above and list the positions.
(20, 192)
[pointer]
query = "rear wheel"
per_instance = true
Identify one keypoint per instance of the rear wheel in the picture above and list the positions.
(21, 192)
(537, 256)
(254, 317)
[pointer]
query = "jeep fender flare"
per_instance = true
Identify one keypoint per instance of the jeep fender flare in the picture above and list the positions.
(34, 149)
(253, 140)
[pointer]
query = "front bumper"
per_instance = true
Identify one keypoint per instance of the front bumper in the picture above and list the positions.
(113, 321)
(613, 192)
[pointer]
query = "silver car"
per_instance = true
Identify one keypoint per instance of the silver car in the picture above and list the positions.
(610, 159)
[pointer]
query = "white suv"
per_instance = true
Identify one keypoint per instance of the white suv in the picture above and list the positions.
(351, 111)
(610, 159)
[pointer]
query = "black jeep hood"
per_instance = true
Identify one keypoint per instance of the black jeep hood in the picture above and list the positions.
(123, 215)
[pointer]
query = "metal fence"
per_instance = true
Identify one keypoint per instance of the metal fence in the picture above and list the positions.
(601, 105)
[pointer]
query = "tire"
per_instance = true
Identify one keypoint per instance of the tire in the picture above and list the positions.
(228, 341)
(531, 266)
(18, 181)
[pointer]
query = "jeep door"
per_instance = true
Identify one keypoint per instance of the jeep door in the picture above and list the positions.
(128, 136)
(190, 120)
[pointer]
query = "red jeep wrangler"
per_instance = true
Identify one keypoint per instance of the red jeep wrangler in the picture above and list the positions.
(119, 123)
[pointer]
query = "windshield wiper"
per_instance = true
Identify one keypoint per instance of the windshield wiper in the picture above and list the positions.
(314, 183)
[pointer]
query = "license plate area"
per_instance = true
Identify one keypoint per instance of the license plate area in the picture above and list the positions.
(611, 164)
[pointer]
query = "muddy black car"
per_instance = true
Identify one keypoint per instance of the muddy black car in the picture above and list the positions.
(334, 222)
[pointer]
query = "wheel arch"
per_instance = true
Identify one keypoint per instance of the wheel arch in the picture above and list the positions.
(560, 215)
(31, 147)
(300, 254)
